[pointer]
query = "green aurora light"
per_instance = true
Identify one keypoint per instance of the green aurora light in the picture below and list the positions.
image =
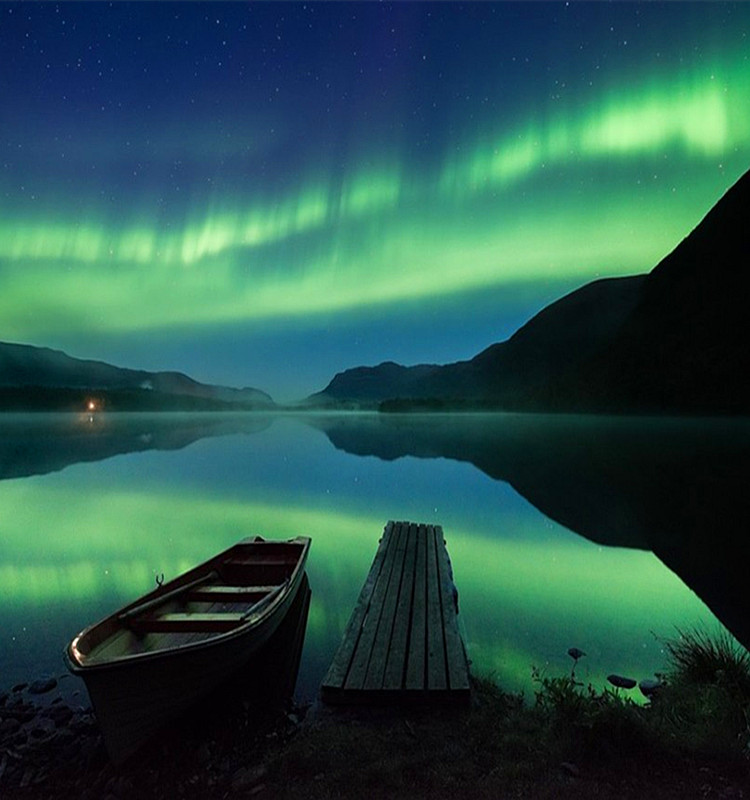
(572, 195)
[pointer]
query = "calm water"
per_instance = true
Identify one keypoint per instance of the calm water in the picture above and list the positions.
(560, 529)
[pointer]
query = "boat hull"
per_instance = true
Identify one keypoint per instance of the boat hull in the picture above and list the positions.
(134, 697)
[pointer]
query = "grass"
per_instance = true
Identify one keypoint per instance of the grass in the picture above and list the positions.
(705, 706)
(569, 740)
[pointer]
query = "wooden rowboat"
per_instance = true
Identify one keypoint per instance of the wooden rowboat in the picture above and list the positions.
(154, 658)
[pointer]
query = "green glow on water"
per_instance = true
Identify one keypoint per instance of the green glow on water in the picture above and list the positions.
(607, 601)
(523, 601)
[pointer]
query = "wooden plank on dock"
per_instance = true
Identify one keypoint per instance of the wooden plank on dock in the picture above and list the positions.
(455, 654)
(395, 667)
(402, 641)
(363, 653)
(415, 666)
(436, 677)
(382, 643)
(339, 668)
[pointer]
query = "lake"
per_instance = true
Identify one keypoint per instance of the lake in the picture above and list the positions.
(603, 534)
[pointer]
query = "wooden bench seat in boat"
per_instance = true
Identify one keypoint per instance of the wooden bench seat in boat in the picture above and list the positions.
(184, 622)
(233, 594)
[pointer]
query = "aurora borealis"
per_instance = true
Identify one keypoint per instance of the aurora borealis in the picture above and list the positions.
(266, 193)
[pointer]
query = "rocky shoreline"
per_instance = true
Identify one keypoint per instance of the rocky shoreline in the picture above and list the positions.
(230, 747)
(51, 747)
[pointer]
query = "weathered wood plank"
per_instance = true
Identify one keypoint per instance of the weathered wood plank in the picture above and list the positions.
(382, 643)
(415, 666)
(395, 669)
(455, 655)
(363, 652)
(339, 668)
(436, 673)
(402, 642)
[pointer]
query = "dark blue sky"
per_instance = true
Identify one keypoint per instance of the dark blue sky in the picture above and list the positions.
(266, 193)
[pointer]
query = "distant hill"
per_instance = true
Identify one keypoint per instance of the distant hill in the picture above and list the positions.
(38, 378)
(674, 341)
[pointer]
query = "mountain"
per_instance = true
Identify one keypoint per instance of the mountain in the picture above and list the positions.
(686, 346)
(41, 378)
(673, 341)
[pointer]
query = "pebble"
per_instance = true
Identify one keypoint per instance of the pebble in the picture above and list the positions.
(650, 686)
(59, 714)
(42, 686)
(19, 687)
(42, 728)
(246, 777)
(621, 681)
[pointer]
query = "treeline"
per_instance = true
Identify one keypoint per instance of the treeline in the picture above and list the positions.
(401, 405)
(74, 400)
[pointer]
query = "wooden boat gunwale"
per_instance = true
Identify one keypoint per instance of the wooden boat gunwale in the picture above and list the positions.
(255, 617)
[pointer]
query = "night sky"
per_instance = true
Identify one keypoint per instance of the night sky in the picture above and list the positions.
(264, 194)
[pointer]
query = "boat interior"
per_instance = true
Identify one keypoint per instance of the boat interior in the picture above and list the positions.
(217, 597)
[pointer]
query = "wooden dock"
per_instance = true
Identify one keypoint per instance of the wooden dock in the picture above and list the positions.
(402, 641)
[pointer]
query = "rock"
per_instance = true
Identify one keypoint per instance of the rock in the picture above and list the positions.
(3, 697)
(570, 769)
(27, 777)
(20, 712)
(245, 778)
(19, 687)
(64, 737)
(118, 786)
(42, 686)
(650, 686)
(203, 755)
(20, 738)
(8, 727)
(621, 682)
(42, 728)
(59, 714)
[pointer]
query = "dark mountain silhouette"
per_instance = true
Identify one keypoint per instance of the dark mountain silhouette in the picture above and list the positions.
(673, 341)
(676, 487)
(41, 378)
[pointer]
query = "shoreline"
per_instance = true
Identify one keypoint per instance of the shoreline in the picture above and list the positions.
(498, 748)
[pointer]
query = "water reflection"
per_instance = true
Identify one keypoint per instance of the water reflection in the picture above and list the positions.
(35, 444)
(79, 542)
(676, 487)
